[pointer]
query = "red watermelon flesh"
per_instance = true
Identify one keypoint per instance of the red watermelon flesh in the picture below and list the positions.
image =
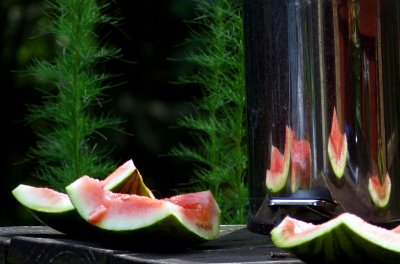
(396, 229)
(276, 160)
(337, 147)
(195, 214)
(277, 174)
(127, 168)
(335, 138)
(199, 207)
(101, 205)
(300, 164)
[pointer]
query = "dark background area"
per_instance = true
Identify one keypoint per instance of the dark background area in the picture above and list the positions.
(151, 34)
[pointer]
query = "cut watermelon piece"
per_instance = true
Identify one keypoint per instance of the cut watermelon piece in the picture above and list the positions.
(300, 164)
(337, 148)
(51, 208)
(380, 193)
(184, 219)
(55, 209)
(346, 238)
(42, 199)
(278, 171)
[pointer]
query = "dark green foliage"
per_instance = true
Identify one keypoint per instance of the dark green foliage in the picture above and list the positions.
(218, 123)
(70, 116)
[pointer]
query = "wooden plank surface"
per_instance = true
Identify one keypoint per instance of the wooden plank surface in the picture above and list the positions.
(7, 233)
(40, 244)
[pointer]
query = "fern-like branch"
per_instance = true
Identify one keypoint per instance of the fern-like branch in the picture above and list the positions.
(218, 124)
(66, 148)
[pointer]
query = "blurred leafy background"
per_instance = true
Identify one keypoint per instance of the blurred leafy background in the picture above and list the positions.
(148, 96)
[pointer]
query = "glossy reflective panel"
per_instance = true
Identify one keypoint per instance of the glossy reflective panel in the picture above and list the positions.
(314, 65)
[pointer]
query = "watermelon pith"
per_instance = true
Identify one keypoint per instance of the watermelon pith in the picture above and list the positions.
(337, 147)
(380, 193)
(192, 217)
(277, 174)
(346, 238)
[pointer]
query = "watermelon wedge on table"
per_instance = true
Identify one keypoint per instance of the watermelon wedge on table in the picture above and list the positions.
(185, 219)
(344, 239)
(55, 209)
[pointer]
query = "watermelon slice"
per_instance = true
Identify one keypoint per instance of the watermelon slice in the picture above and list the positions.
(278, 171)
(51, 208)
(42, 199)
(55, 209)
(337, 148)
(379, 192)
(344, 239)
(184, 219)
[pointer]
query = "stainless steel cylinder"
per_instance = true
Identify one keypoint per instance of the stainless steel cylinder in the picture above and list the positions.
(323, 109)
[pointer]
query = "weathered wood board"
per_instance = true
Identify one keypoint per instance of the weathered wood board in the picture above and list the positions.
(41, 244)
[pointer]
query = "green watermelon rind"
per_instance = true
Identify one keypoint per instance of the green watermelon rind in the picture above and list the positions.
(380, 203)
(338, 167)
(275, 186)
(166, 233)
(171, 228)
(67, 222)
(344, 238)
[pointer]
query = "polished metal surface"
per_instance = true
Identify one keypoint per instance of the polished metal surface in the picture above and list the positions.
(305, 60)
